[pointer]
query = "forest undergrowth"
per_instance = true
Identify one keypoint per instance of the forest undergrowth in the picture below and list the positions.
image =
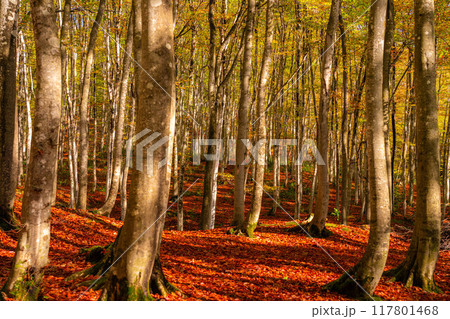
(212, 265)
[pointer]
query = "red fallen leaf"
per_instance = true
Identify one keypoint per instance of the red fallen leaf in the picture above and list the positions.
(211, 265)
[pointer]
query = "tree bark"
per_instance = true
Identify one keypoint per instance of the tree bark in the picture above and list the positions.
(138, 243)
(84, 116)
(32, 249)
(118, 138)
(367, 272)
(9, 143)
(388, 42)
(317, 227)
(420, 263)
(210, 182)
(242, 130)
(252, 219)
(344, 126)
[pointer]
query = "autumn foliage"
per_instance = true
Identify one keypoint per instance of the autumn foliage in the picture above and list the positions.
(211, 265)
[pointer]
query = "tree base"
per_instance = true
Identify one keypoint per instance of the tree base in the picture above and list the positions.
(409, 276)
(315, 232)
(311, 229)
(345, 285)
(120, 289)
(236, 231)
(306, 226)
(243, 231)
(27, 288)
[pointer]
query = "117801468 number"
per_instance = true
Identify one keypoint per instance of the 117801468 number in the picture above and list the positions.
(410, 310)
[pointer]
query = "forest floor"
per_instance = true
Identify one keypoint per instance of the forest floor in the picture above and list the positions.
(212, 265)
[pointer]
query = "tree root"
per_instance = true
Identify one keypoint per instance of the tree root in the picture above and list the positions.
(159, 283)
(103, 259)
(408, 275)
(311, 229)
(236, 231)
(345, 285)
(95, 254)
(26, 288)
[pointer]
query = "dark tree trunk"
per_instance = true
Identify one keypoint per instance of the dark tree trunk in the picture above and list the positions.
(242, 130)
(9, 143)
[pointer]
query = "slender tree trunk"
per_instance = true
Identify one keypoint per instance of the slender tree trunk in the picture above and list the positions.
(131, 277)
(366, 274)
(242, 133)
(318, 223)
(388, 42)
(420, 263)
(118, 139)
(344, 126)
(33, 244)
(313, 193)
(252, 219)
(84, 116)
(9, 143)
(276, 174)
(210, 181)
(124, 179)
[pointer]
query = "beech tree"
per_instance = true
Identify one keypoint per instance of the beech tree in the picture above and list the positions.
(242, 125)
(84, 110)
(218, 76)
(363, 278)
(270, 72)
(255, 209)
(420, 263)
(138, 243)
(9, 160)
(317, 226)
(33, 244)
(118, 140)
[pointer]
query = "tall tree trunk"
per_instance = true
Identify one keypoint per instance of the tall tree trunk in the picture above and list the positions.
(317, 227)
(255, 209)
(210, 181)
(118, 138)
(138, 243)
(420, 263)
(344, 126)
(9, 143)
(366, 274)
(301, 50)
(33, 244)
(242, 130)
(84, 116)
(388, 42)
